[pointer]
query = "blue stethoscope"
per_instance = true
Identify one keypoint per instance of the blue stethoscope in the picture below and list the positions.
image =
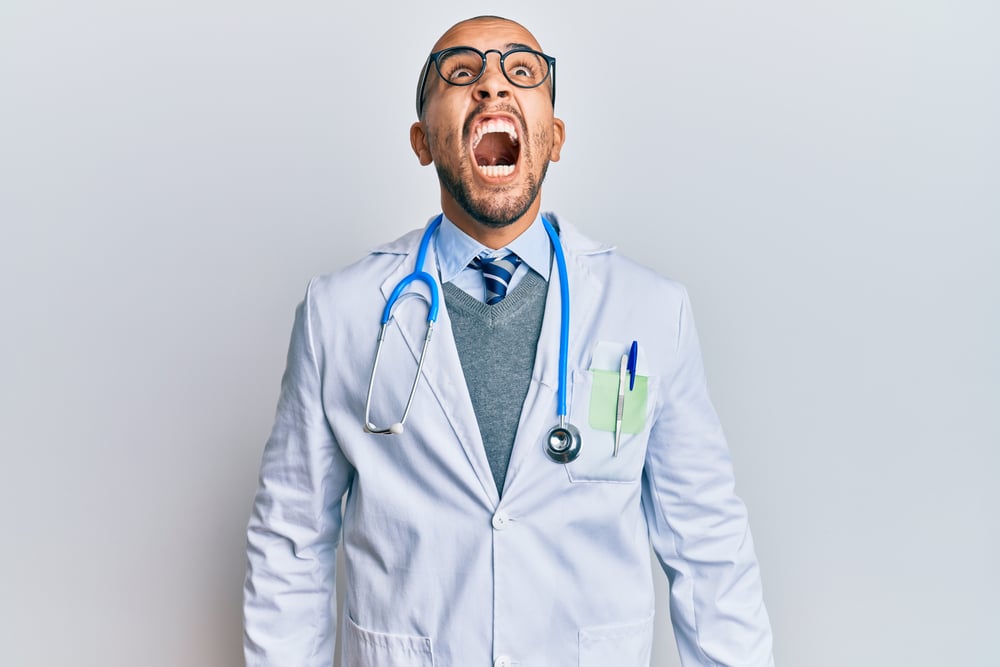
(562, 442)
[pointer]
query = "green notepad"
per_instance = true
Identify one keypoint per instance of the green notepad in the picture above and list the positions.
(604, 403)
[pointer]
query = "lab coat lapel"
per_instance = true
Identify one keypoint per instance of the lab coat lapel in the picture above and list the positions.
(540, 411)
(442, 372)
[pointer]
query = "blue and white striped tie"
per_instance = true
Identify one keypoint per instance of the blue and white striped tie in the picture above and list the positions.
(497, 272)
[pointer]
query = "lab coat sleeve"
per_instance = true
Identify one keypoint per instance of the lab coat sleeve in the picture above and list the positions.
(697, 524)
(289, 598)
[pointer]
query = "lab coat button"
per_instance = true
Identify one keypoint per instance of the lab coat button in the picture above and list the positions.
(502, 661)
(501, 521)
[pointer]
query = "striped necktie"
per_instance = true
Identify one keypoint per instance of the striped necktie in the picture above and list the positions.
(497, 272)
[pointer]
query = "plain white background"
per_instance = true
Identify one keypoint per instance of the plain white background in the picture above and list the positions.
(822, 175)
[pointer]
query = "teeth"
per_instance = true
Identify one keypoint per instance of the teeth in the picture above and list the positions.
(497, 170)
(495, 125)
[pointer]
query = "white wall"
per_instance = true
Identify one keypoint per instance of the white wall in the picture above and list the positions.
(822, 175)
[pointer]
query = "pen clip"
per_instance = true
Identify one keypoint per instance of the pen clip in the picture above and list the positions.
(633, 357)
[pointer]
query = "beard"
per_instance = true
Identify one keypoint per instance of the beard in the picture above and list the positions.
(499, 207)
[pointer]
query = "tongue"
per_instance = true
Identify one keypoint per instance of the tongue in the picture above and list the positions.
(494, 149)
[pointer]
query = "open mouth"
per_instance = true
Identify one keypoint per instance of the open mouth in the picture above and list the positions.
(495, 147)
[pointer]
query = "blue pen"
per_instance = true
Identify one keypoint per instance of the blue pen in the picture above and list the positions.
(633, 356)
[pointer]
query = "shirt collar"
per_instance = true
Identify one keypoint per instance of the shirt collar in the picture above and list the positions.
(455, 249)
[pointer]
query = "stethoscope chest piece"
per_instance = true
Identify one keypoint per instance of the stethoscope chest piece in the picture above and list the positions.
(563, 443)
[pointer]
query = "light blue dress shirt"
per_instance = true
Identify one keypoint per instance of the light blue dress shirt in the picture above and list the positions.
(455, 249)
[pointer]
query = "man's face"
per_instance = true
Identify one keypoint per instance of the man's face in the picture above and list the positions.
(491, 141)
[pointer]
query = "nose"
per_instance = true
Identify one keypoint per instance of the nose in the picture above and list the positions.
(492, 84)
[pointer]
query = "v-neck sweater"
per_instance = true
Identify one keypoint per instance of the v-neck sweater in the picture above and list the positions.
(496, 346)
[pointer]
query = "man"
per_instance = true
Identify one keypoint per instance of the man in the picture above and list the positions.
(470, 536)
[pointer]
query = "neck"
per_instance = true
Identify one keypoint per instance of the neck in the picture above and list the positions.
(491, 237)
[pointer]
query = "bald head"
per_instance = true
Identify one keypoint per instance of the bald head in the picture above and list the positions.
(486, 23)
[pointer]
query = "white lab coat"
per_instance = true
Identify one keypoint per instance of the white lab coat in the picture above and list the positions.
(442, 572)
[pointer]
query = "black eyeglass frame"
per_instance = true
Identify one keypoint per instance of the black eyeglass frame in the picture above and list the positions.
(435, 58)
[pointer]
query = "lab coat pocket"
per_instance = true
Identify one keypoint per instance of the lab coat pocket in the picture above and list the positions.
(366, 648)
(591, 400)
(627, 645)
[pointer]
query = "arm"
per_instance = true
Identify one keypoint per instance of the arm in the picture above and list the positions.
(289, 609)
(697, 524)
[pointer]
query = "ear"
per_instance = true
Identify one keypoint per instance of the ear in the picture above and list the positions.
(418, 140)
(558, 138)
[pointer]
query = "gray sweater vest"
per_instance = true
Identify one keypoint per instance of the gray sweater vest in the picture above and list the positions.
(496, 345)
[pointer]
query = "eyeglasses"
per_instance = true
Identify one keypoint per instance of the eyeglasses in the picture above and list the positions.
(464, 65)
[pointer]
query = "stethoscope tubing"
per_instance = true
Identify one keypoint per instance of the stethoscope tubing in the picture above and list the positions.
(418, 275)
(563, 439)
(562, 411)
